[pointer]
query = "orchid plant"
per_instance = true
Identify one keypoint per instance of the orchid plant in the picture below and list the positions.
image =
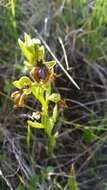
(39, 84)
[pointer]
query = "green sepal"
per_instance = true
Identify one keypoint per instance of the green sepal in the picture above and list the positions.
(28, 65)
(27, 38)
(31, 41)
(55, 97)
(30, 48)
(41, 53)
(28, 54)
(35, 124)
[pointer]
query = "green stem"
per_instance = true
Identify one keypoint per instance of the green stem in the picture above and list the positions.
(13, 17)
(45, 108)
(48, 127)
(51, 145)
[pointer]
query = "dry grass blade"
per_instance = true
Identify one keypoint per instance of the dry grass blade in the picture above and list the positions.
(65, 55)
(5, 179)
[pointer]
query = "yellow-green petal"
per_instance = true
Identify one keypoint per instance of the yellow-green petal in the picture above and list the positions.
(27, 91)
(50, 64)
(22, 82)
(27, 38)
(25, 81)
(16, 83)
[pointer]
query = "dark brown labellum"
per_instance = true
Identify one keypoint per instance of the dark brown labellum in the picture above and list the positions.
(41, 73)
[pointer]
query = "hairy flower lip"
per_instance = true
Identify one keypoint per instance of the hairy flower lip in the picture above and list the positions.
(41, 73)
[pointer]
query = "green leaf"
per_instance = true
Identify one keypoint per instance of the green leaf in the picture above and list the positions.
(88, 135)
(48, 124)
(7, 87)
(35, 124)
(47, 88)
(72, 180)
(50, 64)
(20, 187)
(35, 90)
(31, 184)
(38, 91)
(55, 113)
(55, 97)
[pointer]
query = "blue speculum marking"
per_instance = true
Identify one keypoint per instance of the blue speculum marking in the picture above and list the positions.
(42, 73)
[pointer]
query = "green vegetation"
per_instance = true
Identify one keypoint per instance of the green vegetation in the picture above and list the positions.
(72, 153)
